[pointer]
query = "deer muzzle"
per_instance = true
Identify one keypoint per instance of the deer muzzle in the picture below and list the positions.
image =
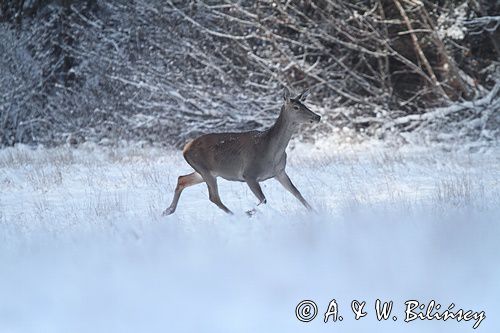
(316, 118)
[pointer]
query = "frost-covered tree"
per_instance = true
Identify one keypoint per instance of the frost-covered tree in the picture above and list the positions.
(164, 71)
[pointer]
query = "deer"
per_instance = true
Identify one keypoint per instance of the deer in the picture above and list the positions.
(250, 157)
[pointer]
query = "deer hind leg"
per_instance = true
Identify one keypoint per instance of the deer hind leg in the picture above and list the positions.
(183, 182)
(213, 192)
(287, 183)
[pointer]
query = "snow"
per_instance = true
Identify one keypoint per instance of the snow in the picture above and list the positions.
(453, 27)
(84, 248)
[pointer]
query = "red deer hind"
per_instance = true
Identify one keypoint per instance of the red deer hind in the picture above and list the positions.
(250, 157)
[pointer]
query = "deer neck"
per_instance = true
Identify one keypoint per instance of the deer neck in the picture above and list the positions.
(280, 134)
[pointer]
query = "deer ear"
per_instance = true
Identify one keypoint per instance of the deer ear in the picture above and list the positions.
(302, 97)
(286, 94)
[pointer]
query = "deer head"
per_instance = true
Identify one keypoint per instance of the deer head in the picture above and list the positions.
(296, 111)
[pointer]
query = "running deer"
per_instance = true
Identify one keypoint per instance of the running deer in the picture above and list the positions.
(249, 157)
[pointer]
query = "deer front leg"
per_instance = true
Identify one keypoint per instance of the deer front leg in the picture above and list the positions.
(255, 187)
(283, 178)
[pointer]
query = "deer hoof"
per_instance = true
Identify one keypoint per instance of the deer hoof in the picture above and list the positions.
(168, 211)
(251, 212)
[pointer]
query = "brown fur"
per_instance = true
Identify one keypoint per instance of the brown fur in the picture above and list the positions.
(250, 157)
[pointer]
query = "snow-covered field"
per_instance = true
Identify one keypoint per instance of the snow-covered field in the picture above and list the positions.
(84, 248)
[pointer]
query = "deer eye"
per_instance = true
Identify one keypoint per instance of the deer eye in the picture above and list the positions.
(296, 107)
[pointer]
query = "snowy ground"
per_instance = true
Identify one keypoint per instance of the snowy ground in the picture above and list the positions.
(84, 248)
